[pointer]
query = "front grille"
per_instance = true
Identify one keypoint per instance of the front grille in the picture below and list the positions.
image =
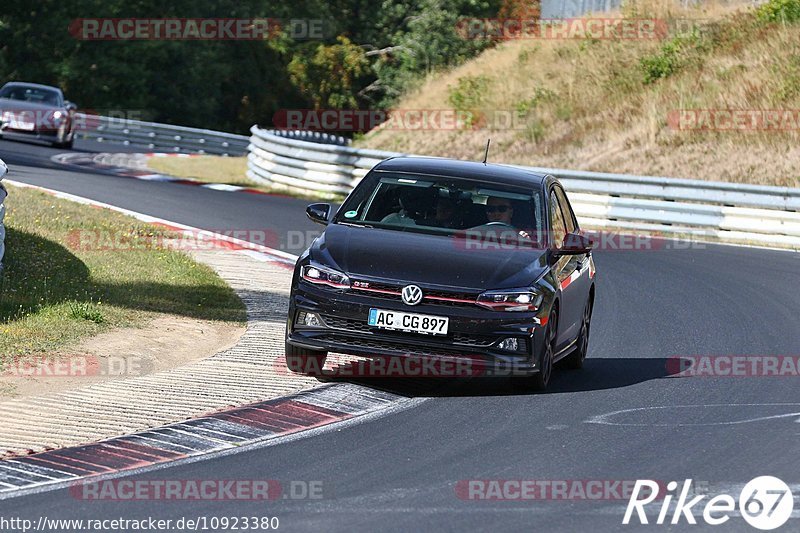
(400, 347)
(473, 340)
(347, 324)
(430, 296)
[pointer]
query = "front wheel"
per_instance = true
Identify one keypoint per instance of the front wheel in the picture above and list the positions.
(305, 361)
(541, 379)
(576, 359)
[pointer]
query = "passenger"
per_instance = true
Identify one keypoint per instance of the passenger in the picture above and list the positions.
(415, 205)
(445, 216)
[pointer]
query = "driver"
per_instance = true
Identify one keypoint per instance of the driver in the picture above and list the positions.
(499, 210)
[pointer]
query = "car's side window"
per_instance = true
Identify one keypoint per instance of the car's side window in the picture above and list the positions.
(556, 221)
(566, 209)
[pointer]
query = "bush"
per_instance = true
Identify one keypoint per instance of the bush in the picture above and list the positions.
(467, 96)
(468, 93)
(540, 95)
(86, 311)
(674, 54)
(779, 11)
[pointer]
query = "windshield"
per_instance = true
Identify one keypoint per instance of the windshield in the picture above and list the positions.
(36, 95)
(442, 205)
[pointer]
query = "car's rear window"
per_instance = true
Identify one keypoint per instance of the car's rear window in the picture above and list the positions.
(441, 205)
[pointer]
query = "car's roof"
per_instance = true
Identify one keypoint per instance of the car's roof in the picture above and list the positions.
(490, 173)
(34, 85)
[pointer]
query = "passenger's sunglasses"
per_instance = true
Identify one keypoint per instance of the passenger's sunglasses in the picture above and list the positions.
(497, 208)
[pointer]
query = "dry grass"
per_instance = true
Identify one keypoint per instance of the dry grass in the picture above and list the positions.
(208, 169)
(587, 104)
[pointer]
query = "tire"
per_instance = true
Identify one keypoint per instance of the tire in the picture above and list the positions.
(541, 380)
(576, 359)
(305, 361)
(66, 145)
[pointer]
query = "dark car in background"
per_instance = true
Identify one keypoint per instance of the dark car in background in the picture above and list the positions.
(30, 110)
(448, 259)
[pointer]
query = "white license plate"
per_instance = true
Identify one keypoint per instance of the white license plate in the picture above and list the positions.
(15, 123)
(398, 320)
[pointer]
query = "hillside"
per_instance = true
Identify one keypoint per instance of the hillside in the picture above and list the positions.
(614, 105)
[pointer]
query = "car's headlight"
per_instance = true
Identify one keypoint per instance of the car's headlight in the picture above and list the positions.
(511, 300)
(325, 276)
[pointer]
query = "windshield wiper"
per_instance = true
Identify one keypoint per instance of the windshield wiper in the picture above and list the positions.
(357, 225)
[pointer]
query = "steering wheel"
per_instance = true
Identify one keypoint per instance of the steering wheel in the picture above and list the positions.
(498, 223)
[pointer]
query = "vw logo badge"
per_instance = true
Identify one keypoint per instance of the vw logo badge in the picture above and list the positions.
(412, 295)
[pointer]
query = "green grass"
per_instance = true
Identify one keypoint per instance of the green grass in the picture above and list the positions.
(54, 292)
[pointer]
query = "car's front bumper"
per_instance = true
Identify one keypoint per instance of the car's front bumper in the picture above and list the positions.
(52, 136)
(474, 333)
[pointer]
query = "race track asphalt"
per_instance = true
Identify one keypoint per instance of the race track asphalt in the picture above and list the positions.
(400, 472)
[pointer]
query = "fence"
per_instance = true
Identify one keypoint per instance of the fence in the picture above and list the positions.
(729, 212)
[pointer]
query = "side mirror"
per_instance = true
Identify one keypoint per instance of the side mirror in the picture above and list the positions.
(319, 213)
(70, 105)
(575, 244)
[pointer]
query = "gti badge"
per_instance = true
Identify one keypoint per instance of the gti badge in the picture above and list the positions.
(412, 295)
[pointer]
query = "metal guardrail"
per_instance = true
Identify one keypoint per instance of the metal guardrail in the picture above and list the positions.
(730, 212)
(3, 195)
(178, 139)
(160, 137)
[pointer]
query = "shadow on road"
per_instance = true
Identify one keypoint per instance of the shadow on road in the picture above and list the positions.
(598, 374)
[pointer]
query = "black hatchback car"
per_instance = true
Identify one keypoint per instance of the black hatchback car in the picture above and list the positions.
(446, 259)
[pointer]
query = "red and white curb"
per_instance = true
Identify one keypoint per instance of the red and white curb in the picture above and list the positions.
(134, 166)
(233, 429)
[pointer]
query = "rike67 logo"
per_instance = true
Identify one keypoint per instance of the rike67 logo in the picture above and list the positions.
(765, 503)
